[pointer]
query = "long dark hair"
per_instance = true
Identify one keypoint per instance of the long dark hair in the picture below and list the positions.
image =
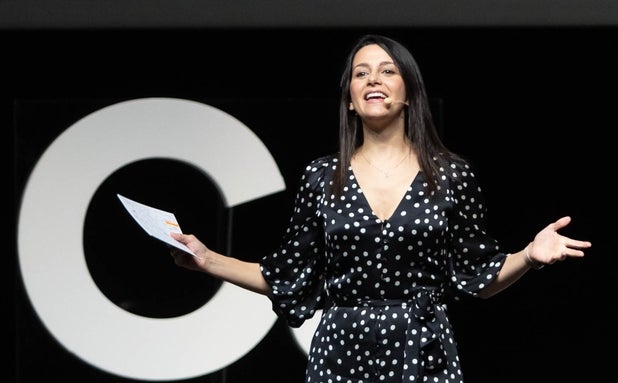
(420, 128)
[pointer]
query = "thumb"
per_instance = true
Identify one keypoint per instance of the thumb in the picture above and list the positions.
(177, 236)
(560, 223)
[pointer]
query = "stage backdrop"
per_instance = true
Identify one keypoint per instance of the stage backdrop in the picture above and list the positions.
(200, 124)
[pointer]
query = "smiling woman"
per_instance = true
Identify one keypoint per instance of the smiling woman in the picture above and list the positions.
(381, 252)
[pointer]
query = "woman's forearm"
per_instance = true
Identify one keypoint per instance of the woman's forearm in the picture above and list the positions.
(515, 266)
(241, 273)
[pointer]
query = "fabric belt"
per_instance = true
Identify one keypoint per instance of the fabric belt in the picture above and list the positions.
(424, 352)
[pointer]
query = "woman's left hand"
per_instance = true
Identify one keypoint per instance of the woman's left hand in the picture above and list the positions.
(549, 246)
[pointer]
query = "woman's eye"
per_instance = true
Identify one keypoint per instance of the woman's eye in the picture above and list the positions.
(360, 74)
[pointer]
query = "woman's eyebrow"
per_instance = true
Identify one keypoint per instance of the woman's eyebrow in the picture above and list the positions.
(382, 63)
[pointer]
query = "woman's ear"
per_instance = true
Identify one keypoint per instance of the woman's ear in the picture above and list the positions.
(351, 106)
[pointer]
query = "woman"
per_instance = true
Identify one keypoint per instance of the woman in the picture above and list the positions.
(381, 233)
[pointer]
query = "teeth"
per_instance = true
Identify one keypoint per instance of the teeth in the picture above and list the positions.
(375, 94)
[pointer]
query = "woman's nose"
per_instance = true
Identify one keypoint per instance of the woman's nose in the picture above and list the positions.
(373, 78)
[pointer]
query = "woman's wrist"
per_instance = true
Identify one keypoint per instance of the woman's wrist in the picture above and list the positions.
(534, 264)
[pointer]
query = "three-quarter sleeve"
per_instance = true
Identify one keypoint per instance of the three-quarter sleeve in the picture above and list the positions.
(474, 257)
(295, 271)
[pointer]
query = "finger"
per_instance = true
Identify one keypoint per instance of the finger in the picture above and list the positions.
(573, 251)
(182, 238)
(578, 245)
(560, 223)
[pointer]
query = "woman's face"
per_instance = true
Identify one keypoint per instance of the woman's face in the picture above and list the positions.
(375, 81)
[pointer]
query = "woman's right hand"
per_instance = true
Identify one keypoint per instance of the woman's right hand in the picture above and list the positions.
(197, 260)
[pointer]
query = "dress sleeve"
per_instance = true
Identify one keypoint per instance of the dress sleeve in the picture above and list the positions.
(295, 271)
(475, 258)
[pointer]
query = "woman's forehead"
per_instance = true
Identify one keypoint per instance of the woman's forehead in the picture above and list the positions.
(370, 54)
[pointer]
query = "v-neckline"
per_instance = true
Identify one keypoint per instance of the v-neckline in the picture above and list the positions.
(397, 206)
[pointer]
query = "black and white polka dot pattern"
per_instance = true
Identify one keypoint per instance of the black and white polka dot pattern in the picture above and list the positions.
(381, 283)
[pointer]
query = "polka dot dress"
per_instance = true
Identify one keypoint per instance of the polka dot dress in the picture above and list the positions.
(381, 283)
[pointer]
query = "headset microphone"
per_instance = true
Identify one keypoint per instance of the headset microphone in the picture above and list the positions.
(390, 101)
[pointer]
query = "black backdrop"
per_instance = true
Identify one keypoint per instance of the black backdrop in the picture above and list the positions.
(532, 108)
